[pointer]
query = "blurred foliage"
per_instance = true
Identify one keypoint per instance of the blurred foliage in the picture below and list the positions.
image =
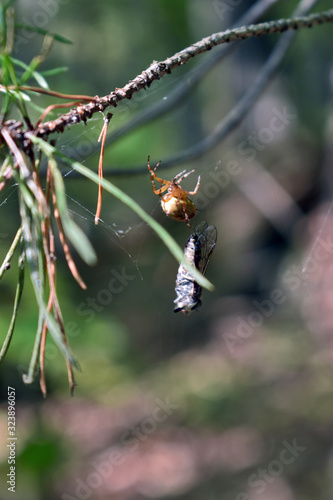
(236, 406)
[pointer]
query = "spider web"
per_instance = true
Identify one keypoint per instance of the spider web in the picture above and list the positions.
(115, 232)
(119, 232)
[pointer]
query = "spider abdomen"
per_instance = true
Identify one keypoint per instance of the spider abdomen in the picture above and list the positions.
(178, 208)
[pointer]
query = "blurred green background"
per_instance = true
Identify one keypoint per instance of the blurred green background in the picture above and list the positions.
(234, 401)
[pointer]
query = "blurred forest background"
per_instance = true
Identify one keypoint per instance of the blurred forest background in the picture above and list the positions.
(236, 400)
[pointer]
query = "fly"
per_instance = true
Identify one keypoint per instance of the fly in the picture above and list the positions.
(198, 249)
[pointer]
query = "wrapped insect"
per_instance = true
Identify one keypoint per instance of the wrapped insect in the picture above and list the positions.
(198, 249)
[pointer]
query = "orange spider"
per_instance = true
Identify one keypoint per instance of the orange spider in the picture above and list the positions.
(175, 202)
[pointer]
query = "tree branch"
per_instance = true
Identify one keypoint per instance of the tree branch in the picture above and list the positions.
(235, 115)
(158, 69)
(178, 95)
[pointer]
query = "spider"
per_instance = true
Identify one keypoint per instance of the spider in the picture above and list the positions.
(175, 202)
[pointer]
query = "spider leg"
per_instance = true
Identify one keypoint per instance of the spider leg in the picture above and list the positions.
(153, 178)
(187, 219)
(148, 164)
(180, 175)
(157, 165)
(152, 175)
(162, 181)
(196, 187)
(153, 183)
(152, 172)
(162, 188)
(183, 198)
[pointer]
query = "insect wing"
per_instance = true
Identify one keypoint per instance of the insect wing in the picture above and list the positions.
(205, 244)
(198, 250)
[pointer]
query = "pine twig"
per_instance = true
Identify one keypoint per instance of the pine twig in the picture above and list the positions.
(17, 300)
(231, 120)
(101, 139)
(192, 79)
(6, 262)
(158, 69)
